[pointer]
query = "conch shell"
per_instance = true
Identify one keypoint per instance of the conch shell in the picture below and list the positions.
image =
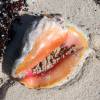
(50, 34)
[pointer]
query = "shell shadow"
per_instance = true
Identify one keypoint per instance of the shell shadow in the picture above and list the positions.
(14, 46)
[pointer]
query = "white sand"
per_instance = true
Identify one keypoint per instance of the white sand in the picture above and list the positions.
(86, 15)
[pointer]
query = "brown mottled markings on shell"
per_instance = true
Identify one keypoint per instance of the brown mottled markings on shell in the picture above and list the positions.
(54, 58)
